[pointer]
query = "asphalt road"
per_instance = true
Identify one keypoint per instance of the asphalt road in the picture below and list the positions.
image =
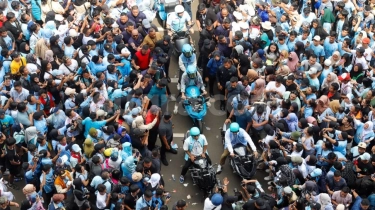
(212, 122)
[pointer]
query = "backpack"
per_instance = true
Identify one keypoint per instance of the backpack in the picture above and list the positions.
(79, 59)
(268, 198)
(364, 186)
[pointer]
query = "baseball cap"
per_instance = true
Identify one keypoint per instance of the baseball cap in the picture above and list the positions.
(312, 70)
(101, 113)
(365, 156)
(297, 159)
(316, 172)
(362, 145)
(366, 40)
(287, 190)
(361, 49)
(317, 38)
(327, 62)
(73, 33)
(295, 135)
(76, 148)
(299, 74)
(146, 23)
(344, 77)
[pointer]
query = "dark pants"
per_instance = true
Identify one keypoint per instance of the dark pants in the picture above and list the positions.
(152, 137)
(163, 149)
(187, 6)
(180, 72)
(166, 67)
(188, 163)
(47, 198)
(211, 83)
(222, 96)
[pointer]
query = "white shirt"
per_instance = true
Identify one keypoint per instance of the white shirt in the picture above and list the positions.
(31, 67)
(197, 149)
(368, 52)
(362, 60)
(100, 201)
(73, 67)
(272, 85)
(247, 137)
(85, 39)
(209, 206)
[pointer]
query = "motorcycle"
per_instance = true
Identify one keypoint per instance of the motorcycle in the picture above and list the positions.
(203, 174)
(243, 163)
(180, 38)
(195, 105)
(222, 133)
(164, 8)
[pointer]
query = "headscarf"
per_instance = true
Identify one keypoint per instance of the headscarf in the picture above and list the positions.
(324, 200)
(154, 180)
(327, 17)
(337, 63)
(292, 121)
(129, 164)
(23, 48)
(320, 108)
(355, 75)
(300, 49)
(369, 129)
(77, 183)
(260, 53)
(30, 133)
(334, 105)
(258, 92)
(292, 64)
(334, 79)
(252, 75)
(49, 56)
(284, 70)
(30, 58)
(239, 49)
(93, 132)
(127, 149)
(88, 147)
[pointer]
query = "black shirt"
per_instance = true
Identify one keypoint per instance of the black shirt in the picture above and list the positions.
(11, 156)
(366, 169)
(250, 205)
(130, 201)
(210, 15)
(223, 75)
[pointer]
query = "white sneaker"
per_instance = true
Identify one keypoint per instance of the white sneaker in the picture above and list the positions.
(175, 109)
(268, 170)
(268, 178)
(219, 169)
(172, 98)
(208, 104)
(178, 86)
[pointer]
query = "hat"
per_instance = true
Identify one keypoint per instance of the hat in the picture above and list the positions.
(136, 177)
(73, 33)
(297, 159)
(154, 180)
(340, 207)
(135, 111)
(62, 159)
(108, 47)
(344, 77)
(101, 113)
(287, 190)
(327, 62)
(295, 135)
(312, 70)
(244, 25)
(58, 197)
(114, 155)
(59, 17)
(167, 38)
(316, 173)
(317, 38)
(299, 74)
(361, 50)
(315, 206)
(365, 156)
(2, 112)
(53, 110)
(146, 23)
(362, 145)
(76, 148)
(238, 15)
(99, 146)
(366, 40)
(70, 91)
(217, 199)
(266, 25)
(261, 203)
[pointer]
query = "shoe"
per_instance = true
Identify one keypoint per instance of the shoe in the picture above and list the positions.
(268, 178)
(178, 86)
(182, 179)
(173, 151)
(165, 162)
(219, 169)
(175, 110)
(172, 98)
(6, 173)
(268, 170)
(12, 186)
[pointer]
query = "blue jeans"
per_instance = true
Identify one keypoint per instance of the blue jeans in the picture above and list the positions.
(187, 6)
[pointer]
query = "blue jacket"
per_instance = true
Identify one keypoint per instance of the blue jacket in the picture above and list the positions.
(214, 65)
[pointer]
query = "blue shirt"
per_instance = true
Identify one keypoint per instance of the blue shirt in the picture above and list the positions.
(357, 203)
(330, 48)
(33, 107)
(48, 187)
(157, 95)
(318, 50)
(88, 123)
(6, 122)
(41, 125)
(141, 202)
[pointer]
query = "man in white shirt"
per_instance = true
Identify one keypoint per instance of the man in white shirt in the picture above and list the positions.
(368, 50)
(275, 89)
(18, 93)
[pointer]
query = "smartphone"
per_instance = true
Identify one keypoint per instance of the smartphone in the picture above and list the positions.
(168, 196)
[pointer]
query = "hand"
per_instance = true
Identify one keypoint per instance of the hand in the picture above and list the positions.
(225, 181)
(183, 97)
(203, 155)
(204, 92)
(192, 158)
(219, 86)
(227, 121)
(232, 154)
(168, 147)
(17, 205)
(256, 153)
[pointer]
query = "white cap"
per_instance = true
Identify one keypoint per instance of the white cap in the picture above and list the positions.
(317, 38)
(73, 33)
(327, 62)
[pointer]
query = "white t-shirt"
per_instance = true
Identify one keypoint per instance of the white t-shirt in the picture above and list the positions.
(209, 206)
(72, 67)
(272, 85)
(100, 201)
(197, 149)
(85, 39)
(368, 52)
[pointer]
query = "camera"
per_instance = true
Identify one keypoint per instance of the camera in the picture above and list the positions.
(219, 186)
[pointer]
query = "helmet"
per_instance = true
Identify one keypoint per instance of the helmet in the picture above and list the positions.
(217, 199)
(234, 127)
(179, 9)
(191, 71)
(194, 131)
(187, 50)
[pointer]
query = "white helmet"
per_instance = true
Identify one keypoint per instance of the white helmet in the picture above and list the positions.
(179, 9)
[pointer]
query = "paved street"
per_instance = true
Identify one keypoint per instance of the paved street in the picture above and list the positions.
(212, 122)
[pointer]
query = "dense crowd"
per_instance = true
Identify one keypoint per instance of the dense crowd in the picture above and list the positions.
(85, 87)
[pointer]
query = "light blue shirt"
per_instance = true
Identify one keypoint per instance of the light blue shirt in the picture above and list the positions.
(41, 125)
(318, 50)
(141, 202)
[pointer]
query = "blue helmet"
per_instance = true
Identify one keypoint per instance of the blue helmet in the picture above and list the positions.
(234, 127)
(217, 199)
(187, 50)
(194, 131)
(191, 71)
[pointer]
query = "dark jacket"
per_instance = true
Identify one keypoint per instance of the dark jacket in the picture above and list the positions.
(223, 75)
